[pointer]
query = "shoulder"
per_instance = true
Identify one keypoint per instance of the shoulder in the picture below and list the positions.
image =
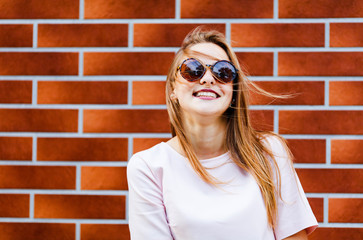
(151, 159)
(277, 147)
(275, 143)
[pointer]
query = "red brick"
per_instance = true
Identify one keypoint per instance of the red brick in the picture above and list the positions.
(130, 121)
(320, 9)
(320, 122)
(82, 149)
(38, 177)
(16, 35)
(15, 92)
(79, 206)
(127, 63)
(262, 119)
(103, 178)
(307, 150)
(37, 231)
(337, 233)
(38, 63)
(166, 35)
(129, 9)
(145, 143)
(82, 92)
(346, 210)
(347, 151)
(39, 9)
(82, 35)
(227, 9)
(277, 35)
(317, 205)
(105, 231)
(331, 180)
(38, 120)
(14, 205)
(16, 148)
(141, 92)
(345, 93)
(320, 63)
(256, 63)
(346, 34)
(302, 93)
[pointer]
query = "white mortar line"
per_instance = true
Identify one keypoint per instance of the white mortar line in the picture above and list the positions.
(228, 33)
(124, 164)
(328, 152)
(327, 35)
(163, 107)
(328, 166)
(173, 49)
(35, 35)
(177, 9)
(65, 220)
(276, 121)
(130, 144)
(97, 135)
(31, 206)
(163, 135)
(163, 77)
(326, 92)
(78, 230)
(275, 63)
(185, 20)
(66, 192)
(34, 148)
(80, 63)
(129, 93)
(127, 207)
(81, 9)
(65, 163)
(78, 177)
(130, 39)
(276, 9)
(80, 120)
(326, 210)
(34, 92)
(335, 195)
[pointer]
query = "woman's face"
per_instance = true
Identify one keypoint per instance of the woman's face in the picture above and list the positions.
(190, 94)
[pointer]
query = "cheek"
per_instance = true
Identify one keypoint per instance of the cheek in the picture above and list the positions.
(228, 90)
(182, 88)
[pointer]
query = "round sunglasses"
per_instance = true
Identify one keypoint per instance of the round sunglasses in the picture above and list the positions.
(192, 70)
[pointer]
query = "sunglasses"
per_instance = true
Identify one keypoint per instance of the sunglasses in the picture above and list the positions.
(192, 70)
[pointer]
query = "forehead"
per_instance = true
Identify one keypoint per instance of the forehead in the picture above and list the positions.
(209, 52)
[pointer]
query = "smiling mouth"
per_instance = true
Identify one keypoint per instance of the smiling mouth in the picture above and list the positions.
(206, 94)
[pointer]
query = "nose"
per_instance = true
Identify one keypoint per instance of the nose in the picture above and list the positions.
(208, 77)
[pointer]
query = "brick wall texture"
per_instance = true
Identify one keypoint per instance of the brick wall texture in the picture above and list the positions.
(82, 89)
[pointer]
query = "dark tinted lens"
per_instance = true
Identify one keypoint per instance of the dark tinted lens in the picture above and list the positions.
(192, 70)
(224, 71)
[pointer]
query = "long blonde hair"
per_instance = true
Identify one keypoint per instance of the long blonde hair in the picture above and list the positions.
(242, 141)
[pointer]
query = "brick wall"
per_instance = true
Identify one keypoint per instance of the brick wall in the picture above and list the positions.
(75, 103)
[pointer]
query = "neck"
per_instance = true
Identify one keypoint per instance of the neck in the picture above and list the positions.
(207, 136)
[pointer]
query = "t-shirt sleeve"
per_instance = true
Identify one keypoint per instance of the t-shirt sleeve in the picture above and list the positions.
(294, 212)
(147, 217)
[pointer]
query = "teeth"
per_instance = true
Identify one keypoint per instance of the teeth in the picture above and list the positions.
(206, 94)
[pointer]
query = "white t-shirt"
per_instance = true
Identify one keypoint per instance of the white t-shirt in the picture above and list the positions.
(168, 200)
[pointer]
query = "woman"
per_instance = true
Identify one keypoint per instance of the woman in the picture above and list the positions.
(217, 178)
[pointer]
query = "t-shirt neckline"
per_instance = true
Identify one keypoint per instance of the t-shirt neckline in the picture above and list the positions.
(220, 157)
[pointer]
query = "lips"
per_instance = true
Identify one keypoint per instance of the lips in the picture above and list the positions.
(208, 92)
